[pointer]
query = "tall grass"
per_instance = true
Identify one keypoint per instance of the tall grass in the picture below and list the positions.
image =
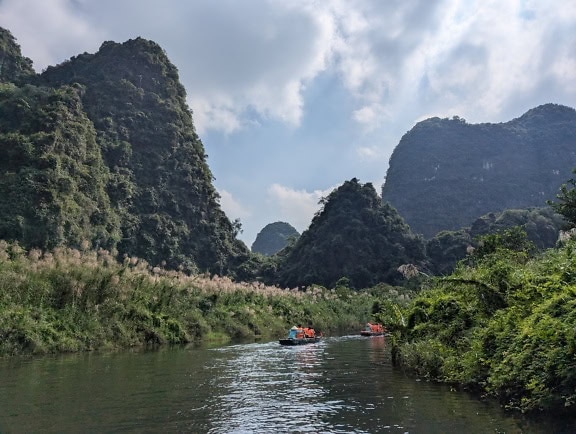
(77, 300)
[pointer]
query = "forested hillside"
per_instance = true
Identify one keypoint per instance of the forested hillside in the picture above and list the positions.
(274, 237)
(446, 248)
(503, 324)
(102, 148)
(445, 173)
(354, 236)
(52, 177)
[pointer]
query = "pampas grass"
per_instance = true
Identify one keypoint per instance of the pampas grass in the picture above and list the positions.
(77, 300)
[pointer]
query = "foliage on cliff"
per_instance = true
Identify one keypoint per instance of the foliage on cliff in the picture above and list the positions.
(504, 324)
(107, 140)
(445, 249)
(445, 173)
(542, 225)
(13, 66)
(161, 181)
(52, 177)
(274, 237)
(354, 236)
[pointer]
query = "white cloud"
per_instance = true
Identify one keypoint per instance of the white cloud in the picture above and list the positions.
(49, 31)
(296, 206)
(396, 57)
(222, 117)
(232, 207)
(565, 71)
(369, 153)
(371, 116)
(239, 60)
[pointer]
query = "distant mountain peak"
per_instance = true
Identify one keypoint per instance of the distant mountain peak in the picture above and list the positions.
(274, 237)
(445, 173)
(354, 236)
(550, 113)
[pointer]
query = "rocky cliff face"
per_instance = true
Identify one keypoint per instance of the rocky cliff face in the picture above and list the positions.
(157, 184)
(445, 173)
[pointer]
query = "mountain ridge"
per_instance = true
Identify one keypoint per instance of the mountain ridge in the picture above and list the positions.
(445, 173)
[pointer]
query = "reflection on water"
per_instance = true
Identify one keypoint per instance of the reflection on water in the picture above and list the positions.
(274, 388)
(340, 385)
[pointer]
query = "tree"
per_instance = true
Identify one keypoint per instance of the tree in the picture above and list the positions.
(566, 204)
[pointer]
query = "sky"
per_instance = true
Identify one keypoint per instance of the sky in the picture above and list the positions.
(293, 97)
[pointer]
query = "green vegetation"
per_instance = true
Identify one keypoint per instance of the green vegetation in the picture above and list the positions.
(446, 248)
(566, 201)
(445, 173)
(504, 324)
(101, 152)
(13, 66)
(274, 237)
(72, 300)
(102, 148)
(160, 184)
(52, 177)
(355, 236)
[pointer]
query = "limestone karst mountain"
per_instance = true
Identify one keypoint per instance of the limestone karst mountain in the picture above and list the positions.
(102, 148)
(445, 173)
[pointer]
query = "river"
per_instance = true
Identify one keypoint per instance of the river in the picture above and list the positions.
(341, 385)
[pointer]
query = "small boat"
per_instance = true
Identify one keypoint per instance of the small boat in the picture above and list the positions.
(366, 333)
(373, 330)
(301, 336)
(299, 341)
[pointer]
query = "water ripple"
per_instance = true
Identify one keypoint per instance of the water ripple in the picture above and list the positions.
(340, 385)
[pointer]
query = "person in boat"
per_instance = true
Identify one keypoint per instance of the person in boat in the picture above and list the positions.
(292, 333)
(299, 332)
(309, 332)
(374, 328)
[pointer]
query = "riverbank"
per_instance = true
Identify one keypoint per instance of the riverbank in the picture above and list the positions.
(503, 324)
(70, 300)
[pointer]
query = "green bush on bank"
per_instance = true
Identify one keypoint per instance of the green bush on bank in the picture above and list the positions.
(504, 324)
(71, 300)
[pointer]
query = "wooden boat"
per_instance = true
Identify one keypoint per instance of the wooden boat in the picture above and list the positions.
(373, 330)
(299, 341)
(371, 333)
(300, 336)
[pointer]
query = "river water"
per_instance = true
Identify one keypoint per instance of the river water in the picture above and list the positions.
(340, 385)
